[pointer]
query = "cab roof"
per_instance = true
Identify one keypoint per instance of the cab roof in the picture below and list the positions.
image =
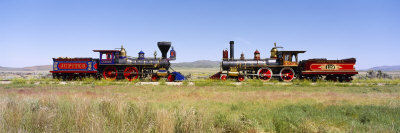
(106, 51)
(291, 52)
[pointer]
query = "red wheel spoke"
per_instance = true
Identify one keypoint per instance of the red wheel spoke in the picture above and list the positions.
(240, 78)
(131, 73)
(154, 78)
(110, 73)
(265, 74)
(223, 77)
(287, 74)
(171, 78)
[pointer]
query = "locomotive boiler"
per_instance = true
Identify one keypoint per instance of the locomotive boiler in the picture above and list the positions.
(115, 64)
(283, 65)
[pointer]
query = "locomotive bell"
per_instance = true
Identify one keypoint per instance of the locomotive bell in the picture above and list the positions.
(123, 51)
(274, 51)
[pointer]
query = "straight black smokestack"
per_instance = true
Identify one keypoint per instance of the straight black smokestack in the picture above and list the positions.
(164, 47)
(232, 49)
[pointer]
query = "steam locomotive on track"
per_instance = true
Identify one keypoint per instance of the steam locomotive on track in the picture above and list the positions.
(284, 65)
(115, 64)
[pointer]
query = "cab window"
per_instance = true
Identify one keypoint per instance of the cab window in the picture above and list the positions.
(106, 56)
(288, 57)
(103, 56)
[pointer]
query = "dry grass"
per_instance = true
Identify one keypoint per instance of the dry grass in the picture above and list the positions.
(206, 108)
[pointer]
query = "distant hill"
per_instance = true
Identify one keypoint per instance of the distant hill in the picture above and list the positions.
(32, 68)
(386, 68)
(11, 69)
(39, 68)
(198, 64)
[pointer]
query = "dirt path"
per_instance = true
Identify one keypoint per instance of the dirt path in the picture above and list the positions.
(5, 82)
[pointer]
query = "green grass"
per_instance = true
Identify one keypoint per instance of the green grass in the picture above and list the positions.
(47, 105)
(212, 82)
(320, 118)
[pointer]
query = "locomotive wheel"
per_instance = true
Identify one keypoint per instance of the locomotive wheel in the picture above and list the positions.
(223, 77)
(287, 74)
(171, 78)
(264, 74)
(154, 78)
(240, 78)
(110, 73)
(131, 73)
(348, 79)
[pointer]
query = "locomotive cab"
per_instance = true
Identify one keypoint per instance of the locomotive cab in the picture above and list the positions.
(108, 56)
(288, 58)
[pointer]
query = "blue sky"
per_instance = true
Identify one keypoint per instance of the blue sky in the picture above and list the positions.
(34, 31)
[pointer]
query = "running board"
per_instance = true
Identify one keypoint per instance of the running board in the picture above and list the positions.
(273, 75)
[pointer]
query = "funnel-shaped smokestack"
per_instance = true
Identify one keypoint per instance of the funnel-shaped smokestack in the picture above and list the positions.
(164, 47)
(232, 49)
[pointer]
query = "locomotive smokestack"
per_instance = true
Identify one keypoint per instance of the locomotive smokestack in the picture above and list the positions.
(232, 43)
(164, 47)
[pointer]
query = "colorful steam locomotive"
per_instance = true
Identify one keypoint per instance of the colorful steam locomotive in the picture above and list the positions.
(115, 64)
(285, 66)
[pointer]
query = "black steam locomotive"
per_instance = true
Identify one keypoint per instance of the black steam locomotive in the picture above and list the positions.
(283, 65)
(115, 64)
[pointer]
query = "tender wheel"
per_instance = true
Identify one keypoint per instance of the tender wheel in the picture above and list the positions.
(264, 74)
(110, 73)
(341, 79)
(331, 78)
(154, 77)
(314, 78)
(348, 79)
(240, 78)
(131, 73)
(171, 78)
(223, 77)
(70, 77)
(287, 74)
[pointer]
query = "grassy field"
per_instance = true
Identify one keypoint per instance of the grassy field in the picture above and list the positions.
(208, 106)
(196, 73)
